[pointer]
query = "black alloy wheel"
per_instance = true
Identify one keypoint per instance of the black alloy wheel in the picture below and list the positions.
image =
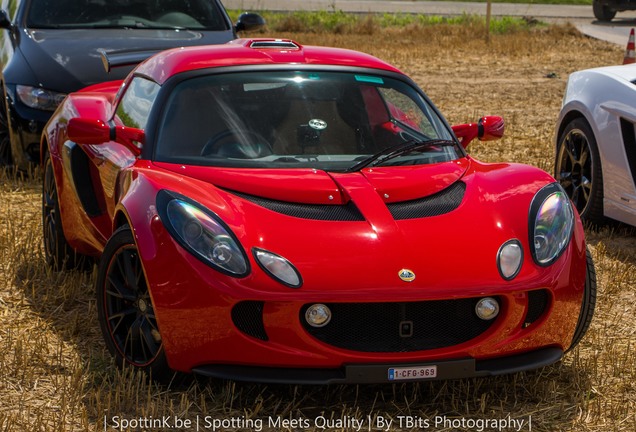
(578, 169)
(57, 252)
(125, 309)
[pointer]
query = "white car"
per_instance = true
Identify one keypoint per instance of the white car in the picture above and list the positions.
(596, 143)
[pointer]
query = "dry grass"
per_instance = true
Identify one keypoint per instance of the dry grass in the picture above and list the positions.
(55, 374)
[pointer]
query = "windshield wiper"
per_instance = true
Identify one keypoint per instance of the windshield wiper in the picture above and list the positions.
(401, 149)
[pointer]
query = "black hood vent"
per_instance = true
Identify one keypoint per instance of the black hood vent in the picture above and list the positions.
(341, 213)
(434, 205)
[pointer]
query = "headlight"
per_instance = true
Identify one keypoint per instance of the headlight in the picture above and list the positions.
(202, 233)
(551, 222)
(39, 98)
(278, 268)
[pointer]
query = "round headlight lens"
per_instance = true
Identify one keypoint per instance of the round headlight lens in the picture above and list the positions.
(509, 259)
(552, 221)
(278, 268)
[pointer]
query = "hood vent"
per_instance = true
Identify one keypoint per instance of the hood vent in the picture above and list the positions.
(323, 212)
(284, 44)
(437, 204)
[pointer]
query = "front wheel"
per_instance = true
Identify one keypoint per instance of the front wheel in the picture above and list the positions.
(59, 255)
(125, 310)
(578, 169)
(602, 12)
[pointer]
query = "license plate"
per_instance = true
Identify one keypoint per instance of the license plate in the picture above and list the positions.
(412, 373)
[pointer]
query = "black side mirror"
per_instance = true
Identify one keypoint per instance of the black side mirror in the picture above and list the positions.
(249, 21)
(5, 22)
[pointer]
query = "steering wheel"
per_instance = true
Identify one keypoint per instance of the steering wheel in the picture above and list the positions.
(237, 143)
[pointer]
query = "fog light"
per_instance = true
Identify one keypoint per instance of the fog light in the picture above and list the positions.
(509, 259)
(318, 315)
(487, 308)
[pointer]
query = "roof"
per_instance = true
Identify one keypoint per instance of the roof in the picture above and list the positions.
(168, 63)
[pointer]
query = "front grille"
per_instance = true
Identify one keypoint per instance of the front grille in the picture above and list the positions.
(343, 213)
(248, 318)
(437, 204)
(399, 327)
(537, 304)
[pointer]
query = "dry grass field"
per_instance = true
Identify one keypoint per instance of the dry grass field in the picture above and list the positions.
(56, 375)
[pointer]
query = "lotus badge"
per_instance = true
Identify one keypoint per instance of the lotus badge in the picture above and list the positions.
(406, 275)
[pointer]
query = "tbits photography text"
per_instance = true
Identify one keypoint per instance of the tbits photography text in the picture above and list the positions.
(370, 423)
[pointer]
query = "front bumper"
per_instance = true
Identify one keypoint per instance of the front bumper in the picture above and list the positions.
(378, 373)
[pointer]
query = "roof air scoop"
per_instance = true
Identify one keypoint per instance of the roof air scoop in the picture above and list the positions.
(285, 44)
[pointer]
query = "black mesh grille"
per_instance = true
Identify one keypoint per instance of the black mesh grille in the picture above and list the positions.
(248, 318)
(434, 205)
(537, 304)
(399, 327)
(344, 213)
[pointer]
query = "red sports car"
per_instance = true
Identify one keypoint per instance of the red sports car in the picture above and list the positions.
(268, 211)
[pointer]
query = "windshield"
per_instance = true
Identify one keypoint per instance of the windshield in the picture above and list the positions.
(299, 119)
(145, 14)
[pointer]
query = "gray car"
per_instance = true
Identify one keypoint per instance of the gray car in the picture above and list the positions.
(49, 48)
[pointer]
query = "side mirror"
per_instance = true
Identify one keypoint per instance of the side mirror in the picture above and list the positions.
(95, 131)
(488, 128)
(249, 21)
(491, 128)
(88, 131)
(5, 22)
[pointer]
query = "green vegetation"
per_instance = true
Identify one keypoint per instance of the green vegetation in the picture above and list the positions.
(349, 23)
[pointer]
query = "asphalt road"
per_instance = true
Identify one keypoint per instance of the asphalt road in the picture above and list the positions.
(581, 16)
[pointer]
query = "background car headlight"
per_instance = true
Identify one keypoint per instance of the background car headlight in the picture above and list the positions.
(509, 259)
(551, 222)
(278, 268)
(39, 98)
(202, 233)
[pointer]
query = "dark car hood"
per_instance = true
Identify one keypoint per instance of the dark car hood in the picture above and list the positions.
(67, 60)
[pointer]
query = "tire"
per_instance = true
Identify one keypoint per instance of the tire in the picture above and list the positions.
(58, 254)
(125, 310)
(578, 169)
(6, 158)
(602, 12)
(588, 304)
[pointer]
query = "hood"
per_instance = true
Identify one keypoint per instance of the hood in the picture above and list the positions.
(310, 186)
(622, 72)
(67, 60)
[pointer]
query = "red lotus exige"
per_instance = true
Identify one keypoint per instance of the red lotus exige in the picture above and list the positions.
(266, 211)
